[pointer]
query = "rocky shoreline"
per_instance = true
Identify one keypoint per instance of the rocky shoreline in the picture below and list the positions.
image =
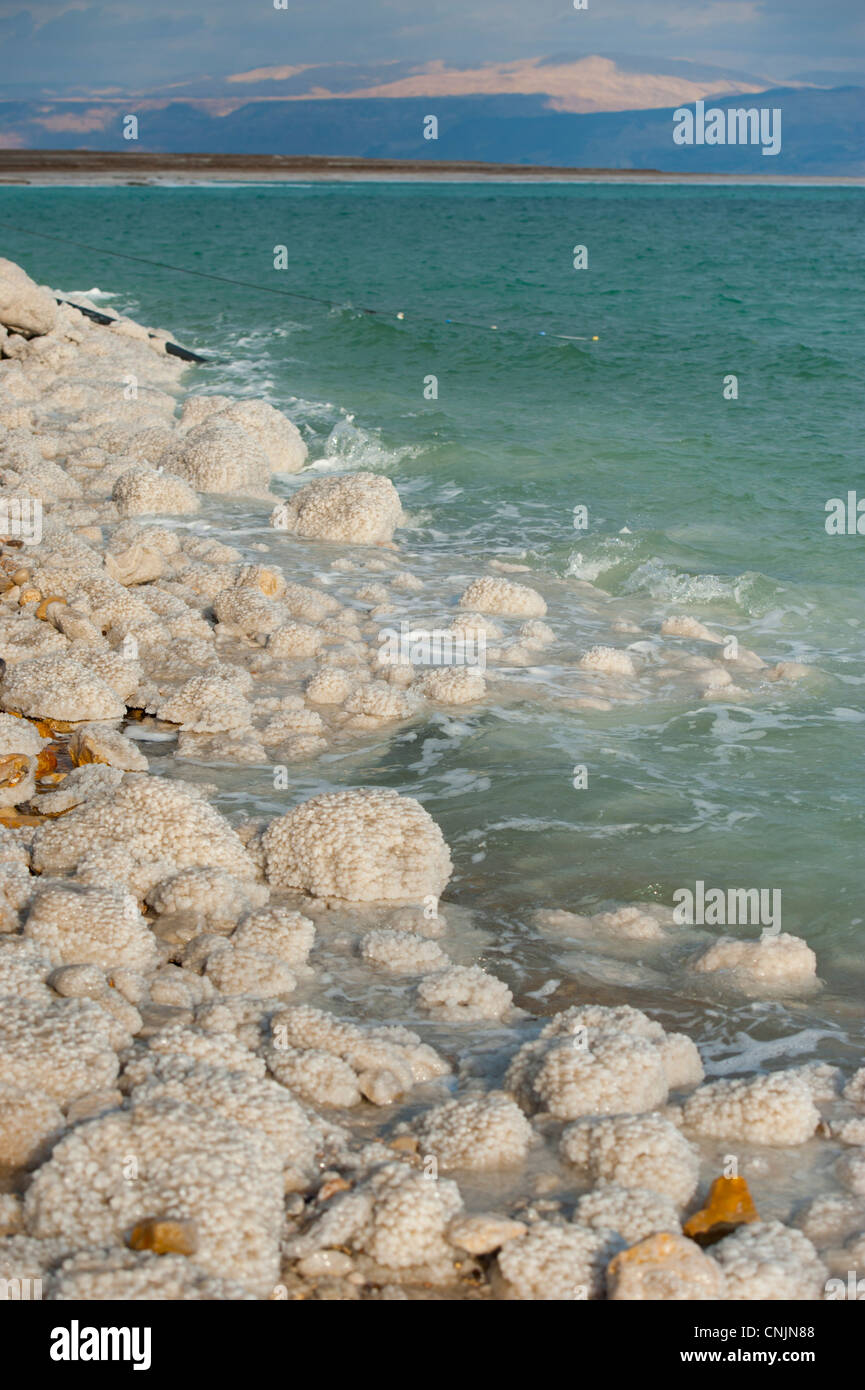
(184, 1113)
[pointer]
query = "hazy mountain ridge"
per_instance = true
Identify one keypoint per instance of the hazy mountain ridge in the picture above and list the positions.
(823, 131)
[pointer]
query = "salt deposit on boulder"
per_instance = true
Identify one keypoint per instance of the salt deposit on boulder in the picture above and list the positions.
(488, 595)
(58, 687)
(207, 704)
(234, 1204)
(143, 490)
(395, 1215)
(280, 439)
(480, 1132)
(361, 508)
(773, 1109)
(635, 1151)
(465, 994)
(633, 1212)
(63, 1048)
(683, 626)
(600, 1061)
(24, 307)
(782, 962)
(364, 846)
(30, 1122)
(219, 456)
(75, 924)
(556, 1263)
(452, 685)
(402, 952)
(769, 1261)
(610, 661)
(331, 1061)
(142, 830)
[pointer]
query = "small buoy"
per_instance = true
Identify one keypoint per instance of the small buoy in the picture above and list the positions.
(596, 339)
(400, 315)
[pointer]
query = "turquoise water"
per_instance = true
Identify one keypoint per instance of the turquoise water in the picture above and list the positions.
(696, 505)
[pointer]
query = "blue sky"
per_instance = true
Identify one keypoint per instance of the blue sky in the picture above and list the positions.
(147, 44)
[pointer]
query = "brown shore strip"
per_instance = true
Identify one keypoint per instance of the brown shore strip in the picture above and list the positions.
(131, 167)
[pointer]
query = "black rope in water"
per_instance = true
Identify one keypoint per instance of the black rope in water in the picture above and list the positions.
(289, 294)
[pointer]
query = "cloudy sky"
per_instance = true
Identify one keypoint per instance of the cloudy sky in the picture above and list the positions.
(147, 45)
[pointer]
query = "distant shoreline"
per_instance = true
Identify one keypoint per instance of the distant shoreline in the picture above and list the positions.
(125, 168)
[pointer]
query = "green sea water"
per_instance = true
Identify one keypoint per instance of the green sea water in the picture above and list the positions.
(697, 504)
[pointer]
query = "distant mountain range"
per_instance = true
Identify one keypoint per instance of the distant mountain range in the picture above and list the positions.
(590, 112)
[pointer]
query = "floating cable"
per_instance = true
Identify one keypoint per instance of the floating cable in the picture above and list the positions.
(292, 294)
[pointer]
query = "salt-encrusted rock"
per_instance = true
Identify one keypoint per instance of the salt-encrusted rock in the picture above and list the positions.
(633, 1212)
(30, 1122)
(831, 1218)
(277, 931)
(207, 704)
(767, 1261)
(144, 830)
(555, 1263)
(377, 703)
(452, 685)
(630, 923)
(257, 1104)
(58, 687)
(11, 1214)
(850, 1169)
(308, 605)
(601, 1061)
(316, 1076)
(23, 970)
(480, 1132)
(778, 962)
(238, 969)
(330, 1061)
(361, 508)
(280, 439)
(397, 1216)
(662, 1268)
(363, 846)
(115, 1274)
(100, 743)
(75, 924)
(635, 1151)
(680, 625)
(402, 952)
(209, 893)
(82, 784)
(610, 661)
(294, 642)
(248, 612)
(220, 456)
(330, 686)
(234, 1200)
(773, 1109)
(138, 564)
(465, 994)
(488, 595)
(789, 671)
(146, 491)
(25, 308)
(63, 1048)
